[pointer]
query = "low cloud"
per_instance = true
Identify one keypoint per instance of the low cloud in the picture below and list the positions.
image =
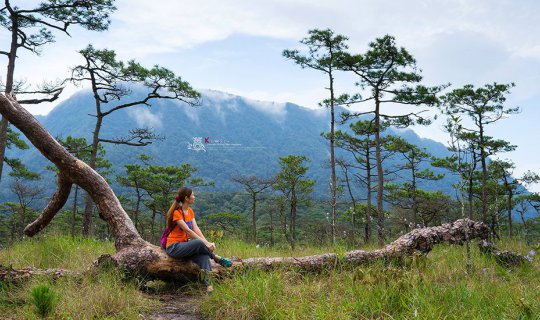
(145, 118)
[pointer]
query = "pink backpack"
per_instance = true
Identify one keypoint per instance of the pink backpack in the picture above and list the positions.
(164, 237)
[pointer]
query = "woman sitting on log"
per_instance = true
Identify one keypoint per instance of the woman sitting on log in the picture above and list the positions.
(186, 239)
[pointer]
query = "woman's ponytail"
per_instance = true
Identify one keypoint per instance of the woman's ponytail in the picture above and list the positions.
(170, 215)
(178, 200)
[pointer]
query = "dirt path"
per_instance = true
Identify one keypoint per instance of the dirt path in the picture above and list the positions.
(175, 306)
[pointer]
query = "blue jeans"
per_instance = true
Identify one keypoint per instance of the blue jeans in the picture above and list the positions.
(196, 251)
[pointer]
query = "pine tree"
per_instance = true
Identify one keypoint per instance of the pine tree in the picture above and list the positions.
(390, 76)
(325, 51)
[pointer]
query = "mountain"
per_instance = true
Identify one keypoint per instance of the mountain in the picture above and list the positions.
(237, 136)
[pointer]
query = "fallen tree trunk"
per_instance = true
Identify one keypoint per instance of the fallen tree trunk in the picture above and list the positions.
(143, 258)
(10, 275)
(418, 240)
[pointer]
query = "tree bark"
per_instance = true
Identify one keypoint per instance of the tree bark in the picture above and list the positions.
(74, 169)
(57, 202)
(271, 214)
(133, 253)
(509, 209)
(137, 207)
(332, 158)
(419, 240)
(10, 275)
(292, 227)
(470, 195)
(283, 219)
(380, 177)
(74, 212)
(483, 157)
(353, 200)
(368, 187)
(152, 263)
(88, 203)
(414, 201)
(3, 143)
(254, 215)
(12, 56)
(152, 224)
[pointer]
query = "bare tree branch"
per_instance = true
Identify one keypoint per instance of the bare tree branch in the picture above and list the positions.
(57, 202)
(138, 137)
(55, 94)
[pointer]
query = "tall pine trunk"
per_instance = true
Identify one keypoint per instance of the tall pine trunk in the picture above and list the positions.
(414, 200)
(380, 177)
(353, 213)
(254, 216)
(271, 214)
(332, 158)
(509, 208)
(12, 56)
(88, 203)
(3, 143)
(283, 219)
(152, 224)
(292, 227)
(368, 210)
(74, 212)
(483, 157)
(137, 208)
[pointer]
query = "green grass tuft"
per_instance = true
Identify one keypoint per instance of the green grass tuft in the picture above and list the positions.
(44, 299)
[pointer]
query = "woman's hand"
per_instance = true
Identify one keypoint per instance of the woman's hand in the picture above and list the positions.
(210, 246)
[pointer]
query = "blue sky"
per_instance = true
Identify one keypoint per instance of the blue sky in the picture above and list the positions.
(235, 46)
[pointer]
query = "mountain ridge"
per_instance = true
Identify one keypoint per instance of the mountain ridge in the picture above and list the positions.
(243, 136)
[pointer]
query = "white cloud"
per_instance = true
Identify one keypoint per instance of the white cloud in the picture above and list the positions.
(275, 109)
(145, 118)
(220, 99)
(190, 112)
(146, 28)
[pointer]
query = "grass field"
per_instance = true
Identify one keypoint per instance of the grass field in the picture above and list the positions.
(436, 286)
(433, 287)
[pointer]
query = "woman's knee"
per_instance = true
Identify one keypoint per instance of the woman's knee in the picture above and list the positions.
(198, 243)
(201, 247)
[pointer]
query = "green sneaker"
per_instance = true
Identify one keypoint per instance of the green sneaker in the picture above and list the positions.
(227, 263)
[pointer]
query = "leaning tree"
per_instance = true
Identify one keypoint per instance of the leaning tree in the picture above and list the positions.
(133, 252)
